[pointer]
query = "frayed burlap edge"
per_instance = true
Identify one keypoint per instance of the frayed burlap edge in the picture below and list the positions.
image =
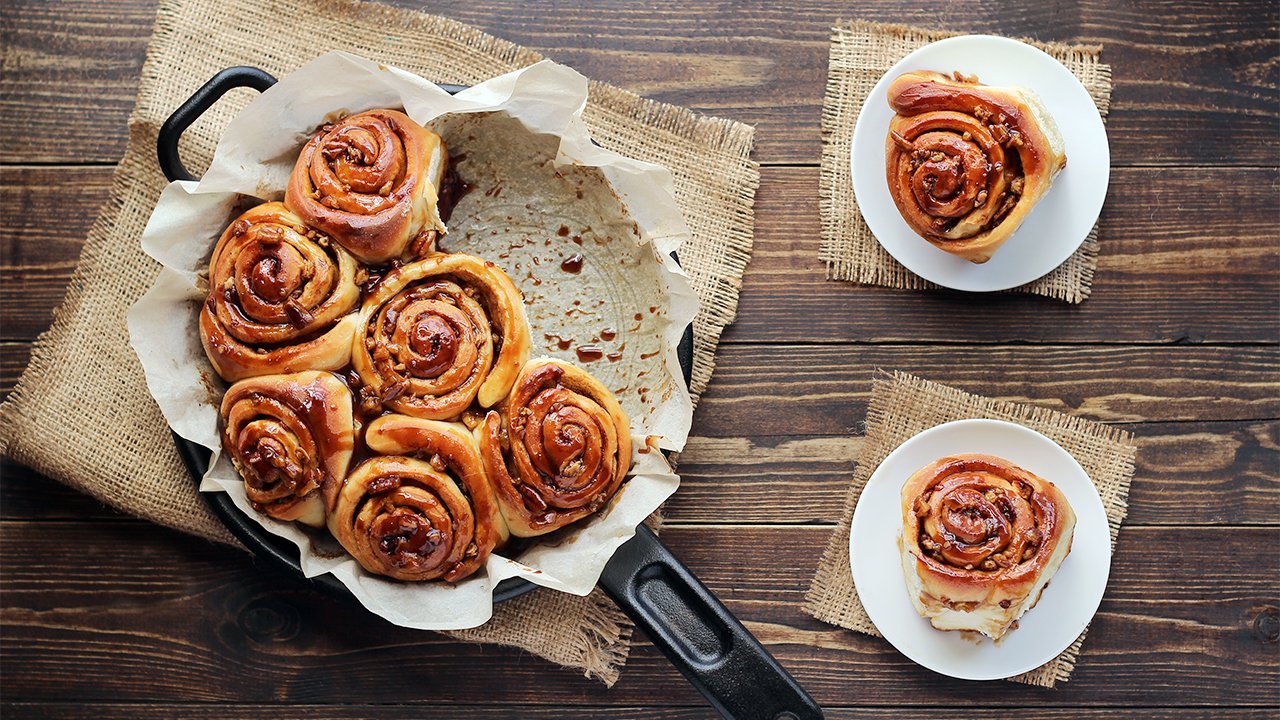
(52, 408)
(861, 52)
(903, 405)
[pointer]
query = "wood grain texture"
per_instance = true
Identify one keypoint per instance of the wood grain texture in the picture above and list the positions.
(1188, 474)
(1174, 263)
(1172, 266)
(222, 711)
(792, 390)
(146, 615)
(1183, 71)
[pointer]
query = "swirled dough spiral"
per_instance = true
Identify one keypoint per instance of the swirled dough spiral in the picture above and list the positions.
(281, 298)
(436, 334)
(981, 538)
(291, 438)
(967, 162)
(370, 181)
(557, 450)
(422, 508)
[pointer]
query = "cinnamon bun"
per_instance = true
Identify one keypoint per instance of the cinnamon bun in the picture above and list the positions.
(370, 181)
(281, 298)
(981, 538)
(421, 509)
(291, 438)
(967, 162)
(558, 448)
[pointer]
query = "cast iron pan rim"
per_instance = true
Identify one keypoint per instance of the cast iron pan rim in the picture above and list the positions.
(281, 552)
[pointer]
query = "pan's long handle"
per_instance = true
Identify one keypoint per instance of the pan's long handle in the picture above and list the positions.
(194, 107)
(700, 636)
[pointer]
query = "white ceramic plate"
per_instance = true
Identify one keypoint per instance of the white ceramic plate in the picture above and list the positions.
(1064, 216)
(1069, 601)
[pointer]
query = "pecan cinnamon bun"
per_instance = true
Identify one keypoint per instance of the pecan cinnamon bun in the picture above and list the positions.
(421, 509)
(281, 298)
(557, 450)
(370, 181)
(981, 538)
(967, 162)
(436, 334)
(291, 438)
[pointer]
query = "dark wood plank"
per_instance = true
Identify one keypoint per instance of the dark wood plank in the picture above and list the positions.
(13, 360)
(1188, 474)
(1173, 267)
(1183, 71)
(125, 612)
(790, 390)
(40, 241)
(227, 711)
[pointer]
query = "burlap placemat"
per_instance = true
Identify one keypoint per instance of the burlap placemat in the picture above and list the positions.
(84, 388)
(861, 52)
(903, 405)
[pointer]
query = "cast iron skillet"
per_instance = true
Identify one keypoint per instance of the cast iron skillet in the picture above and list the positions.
(689, 625)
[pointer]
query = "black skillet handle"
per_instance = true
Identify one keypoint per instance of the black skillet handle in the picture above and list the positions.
(724, 661)
(194, 107)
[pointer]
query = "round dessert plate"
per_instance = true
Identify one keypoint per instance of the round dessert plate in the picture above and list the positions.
(1069, 601)
(1064, 216)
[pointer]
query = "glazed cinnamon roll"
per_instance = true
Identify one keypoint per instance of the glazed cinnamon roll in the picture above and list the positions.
(967, 162)
(421, 509)
(291, 438)
(439, 333)
(557, 450)
(370, 181)
(281, 298)
(981, 538)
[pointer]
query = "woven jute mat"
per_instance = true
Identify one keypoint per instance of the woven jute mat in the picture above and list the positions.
(904, 405)
(84, 388)
(862, 52)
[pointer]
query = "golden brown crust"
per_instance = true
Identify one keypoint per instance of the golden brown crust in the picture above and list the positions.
(967, 162)
(422, 509)
(436, 334)
(281, 298)
(980, 535)
(557, 450)
(369, 181)
(291, 438)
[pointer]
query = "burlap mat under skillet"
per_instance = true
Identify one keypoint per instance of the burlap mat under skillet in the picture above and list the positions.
(903, 405)
(84, 387)
(861, 52)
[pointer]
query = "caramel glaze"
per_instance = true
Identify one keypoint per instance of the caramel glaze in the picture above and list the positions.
(361, 180)
(421, 507)
(558, 450)
(291, 437)
(452, 189)
(573, 264)
(980, 518)
(958, 154)
(279, 298)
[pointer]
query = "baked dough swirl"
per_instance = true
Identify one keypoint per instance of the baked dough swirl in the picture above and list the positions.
(281, 298)
(291, 438)
(981, 538)
(436, 334)
(370, 181)
(422, 508)
(558, 450)
(967, 162)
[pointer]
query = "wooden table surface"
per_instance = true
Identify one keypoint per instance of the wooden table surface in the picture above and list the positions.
(108, 617)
